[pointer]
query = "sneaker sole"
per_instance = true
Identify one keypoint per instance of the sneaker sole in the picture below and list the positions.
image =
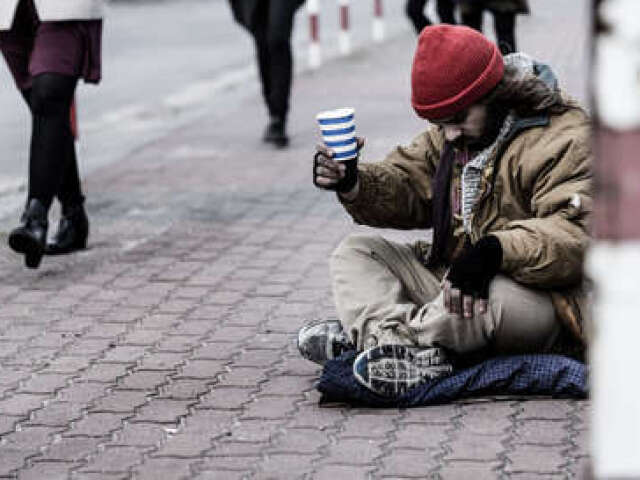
(392, 370)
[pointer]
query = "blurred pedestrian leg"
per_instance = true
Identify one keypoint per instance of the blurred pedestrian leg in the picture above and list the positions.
(270, 22)
(504, 18)
(415, 12)
(46, 59)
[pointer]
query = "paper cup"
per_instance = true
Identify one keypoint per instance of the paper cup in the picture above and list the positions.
(338, 129)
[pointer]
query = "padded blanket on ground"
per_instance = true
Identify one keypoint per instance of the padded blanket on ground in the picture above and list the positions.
(552, 375)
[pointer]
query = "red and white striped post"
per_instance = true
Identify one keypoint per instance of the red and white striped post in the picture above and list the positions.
(614, 258)
(315, 56)
(378, 21)
(344, 36)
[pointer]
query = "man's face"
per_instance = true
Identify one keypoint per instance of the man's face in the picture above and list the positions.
(467, 128)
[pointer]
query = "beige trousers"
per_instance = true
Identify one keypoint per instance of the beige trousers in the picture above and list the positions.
(385, 295)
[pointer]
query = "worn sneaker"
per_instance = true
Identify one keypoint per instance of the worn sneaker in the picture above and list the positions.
(322, 341)
(391, 370)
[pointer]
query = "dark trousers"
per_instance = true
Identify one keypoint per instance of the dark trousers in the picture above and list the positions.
(53, 168)
(504, 24)
(415, 12)
(271, 29)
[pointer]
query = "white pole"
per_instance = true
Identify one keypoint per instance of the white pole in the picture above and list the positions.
(344, 36)
(315, 54)
(378, 21)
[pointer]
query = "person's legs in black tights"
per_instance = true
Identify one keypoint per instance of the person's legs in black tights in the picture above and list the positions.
(279, 29)
(415, 11)
(446, 10)
(52, 165)
(505, 25)
(259, 33)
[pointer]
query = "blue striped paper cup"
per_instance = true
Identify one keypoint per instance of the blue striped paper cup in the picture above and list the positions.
(338, 129)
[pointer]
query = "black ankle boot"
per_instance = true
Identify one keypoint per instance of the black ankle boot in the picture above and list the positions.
(275, 132)
(31, 236)
(73, 231)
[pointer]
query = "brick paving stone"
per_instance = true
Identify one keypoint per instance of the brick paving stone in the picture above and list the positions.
(162, 411)
(20, 404)
(184, 445)
(12, 459)
(225, 398)
(487, 418)
(146, 380)
(234, 334)
(420, 435)
(228, 448)
(113, 459)
(100, 475)
(335, 472)
(228, 464)
(56, 414)
(67, 364)
(284, 467)
(159, 322)
(535, 459)
(197, 328)
(29, 438)
(11, 377)
(81, 392)
(161, 468)
(255, 430)
(544, 410)
(269, 341)
(257, 358)
(104, 372)
(179, 343)
(285, 385)
(431, 414)
(368, 426)
(120, 401)
(547, 432)
(96, 425)
(301, 440)
(45, 470)
(472, 446)
(83, 347)
(8, 423)
(401, 463)
(467, 470)
(124, 353)
(162, 361)
(184, 389)
(219, 474)
(298, 367)
(222, 297)
(355, 451)
(242, 377)
(201, 369)
(70, 449)
(270, 407)
(311, 416)
(140, 435)
(47, 383)
(215, 351)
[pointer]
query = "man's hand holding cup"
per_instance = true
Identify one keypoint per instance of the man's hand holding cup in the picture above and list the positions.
(335, 164)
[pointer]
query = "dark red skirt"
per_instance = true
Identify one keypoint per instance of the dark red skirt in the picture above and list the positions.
(33, 47)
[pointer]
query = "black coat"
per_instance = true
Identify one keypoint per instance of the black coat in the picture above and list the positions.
(244, 11)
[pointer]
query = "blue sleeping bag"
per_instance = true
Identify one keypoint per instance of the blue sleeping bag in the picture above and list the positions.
(553, 375)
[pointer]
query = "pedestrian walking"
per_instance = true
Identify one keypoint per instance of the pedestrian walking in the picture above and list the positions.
(270, 23)
(504, 18)
(48, 47)
(503, 176)
(415, 12)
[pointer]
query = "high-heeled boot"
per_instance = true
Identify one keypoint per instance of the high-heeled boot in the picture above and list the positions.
(31, 236)
(73, 231)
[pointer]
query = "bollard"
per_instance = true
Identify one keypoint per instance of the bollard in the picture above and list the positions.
(378, 21)
(344, 37)
(315, 56)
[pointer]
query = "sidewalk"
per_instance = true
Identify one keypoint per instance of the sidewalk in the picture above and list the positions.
(167, 350)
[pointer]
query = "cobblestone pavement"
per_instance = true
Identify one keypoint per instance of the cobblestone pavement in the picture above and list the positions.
(166, 350)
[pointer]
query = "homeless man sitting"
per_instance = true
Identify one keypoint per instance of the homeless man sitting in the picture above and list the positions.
(503, 176)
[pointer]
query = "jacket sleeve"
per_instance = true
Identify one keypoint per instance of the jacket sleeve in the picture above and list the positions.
(548, 250)
(396, 193)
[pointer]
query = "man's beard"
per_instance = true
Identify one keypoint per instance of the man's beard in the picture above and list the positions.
(496, 115)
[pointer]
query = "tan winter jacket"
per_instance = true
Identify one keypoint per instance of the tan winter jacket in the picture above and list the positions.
(535, 198)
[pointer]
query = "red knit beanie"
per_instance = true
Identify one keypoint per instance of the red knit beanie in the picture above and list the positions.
(453, 68)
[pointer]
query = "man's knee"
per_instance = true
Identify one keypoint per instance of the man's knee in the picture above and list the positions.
(356, 245)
